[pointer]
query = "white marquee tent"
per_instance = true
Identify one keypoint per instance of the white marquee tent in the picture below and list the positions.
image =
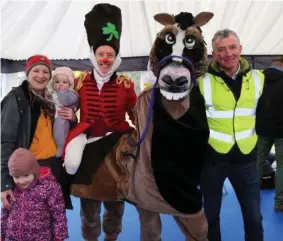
(56, 28)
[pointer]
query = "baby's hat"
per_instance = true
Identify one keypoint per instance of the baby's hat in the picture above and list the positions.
(64, 71)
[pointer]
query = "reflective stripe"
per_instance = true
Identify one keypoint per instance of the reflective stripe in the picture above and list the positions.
(229, 138)
(244, 134)
(211, 113)
(207, 90)
(220, 136)
(207, 87)
(257, 83)
(245, 112)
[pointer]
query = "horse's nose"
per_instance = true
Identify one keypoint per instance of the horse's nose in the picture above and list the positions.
(181, 81)
(167, 79)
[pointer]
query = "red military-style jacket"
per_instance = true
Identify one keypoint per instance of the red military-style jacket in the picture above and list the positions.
(105, 110)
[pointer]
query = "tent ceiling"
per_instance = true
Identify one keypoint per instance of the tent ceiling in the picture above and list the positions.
(56, 28)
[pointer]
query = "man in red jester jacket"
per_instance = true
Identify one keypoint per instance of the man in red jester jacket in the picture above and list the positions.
(105, 98)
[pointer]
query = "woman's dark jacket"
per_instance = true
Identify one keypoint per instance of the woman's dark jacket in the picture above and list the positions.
(18, 123)
(19, 118)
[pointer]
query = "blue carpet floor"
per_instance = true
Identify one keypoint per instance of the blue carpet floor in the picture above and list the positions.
(231, 221)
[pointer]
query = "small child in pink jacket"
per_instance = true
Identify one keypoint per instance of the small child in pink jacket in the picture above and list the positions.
(38, 213)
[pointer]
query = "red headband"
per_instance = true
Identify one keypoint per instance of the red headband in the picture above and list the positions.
(36, 60)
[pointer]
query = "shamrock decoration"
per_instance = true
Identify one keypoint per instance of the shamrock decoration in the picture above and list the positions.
(110, 29)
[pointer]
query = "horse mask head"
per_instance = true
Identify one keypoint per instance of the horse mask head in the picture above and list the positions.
(178, 55)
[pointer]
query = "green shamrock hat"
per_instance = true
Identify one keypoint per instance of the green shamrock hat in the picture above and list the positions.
(103, 26)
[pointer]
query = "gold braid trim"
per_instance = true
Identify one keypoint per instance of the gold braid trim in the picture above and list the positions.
(80, 80)
(124, 79)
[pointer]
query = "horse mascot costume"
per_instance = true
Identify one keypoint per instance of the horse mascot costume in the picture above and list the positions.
(161, 161)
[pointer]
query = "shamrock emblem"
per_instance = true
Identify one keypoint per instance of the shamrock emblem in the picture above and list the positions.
(111, 30)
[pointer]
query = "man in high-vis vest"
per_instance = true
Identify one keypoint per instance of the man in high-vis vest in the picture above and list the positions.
(231, 91)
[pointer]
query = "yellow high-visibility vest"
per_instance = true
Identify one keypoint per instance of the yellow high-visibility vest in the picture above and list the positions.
(231, 121)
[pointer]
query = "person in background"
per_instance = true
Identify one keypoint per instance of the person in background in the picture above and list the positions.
(231, 90)
(27, 115)
(38, 212)
(269, 127)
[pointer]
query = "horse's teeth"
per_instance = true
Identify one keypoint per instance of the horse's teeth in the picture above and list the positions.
(174, 96)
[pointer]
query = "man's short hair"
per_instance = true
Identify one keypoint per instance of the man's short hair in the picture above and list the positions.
(224, 33)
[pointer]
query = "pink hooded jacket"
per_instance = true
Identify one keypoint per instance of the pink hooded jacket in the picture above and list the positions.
(38, 213)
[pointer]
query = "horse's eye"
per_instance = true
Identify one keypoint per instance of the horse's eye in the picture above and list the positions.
(190, 42)
(170, 38)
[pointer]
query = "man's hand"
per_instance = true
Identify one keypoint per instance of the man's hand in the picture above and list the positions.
(6, 197)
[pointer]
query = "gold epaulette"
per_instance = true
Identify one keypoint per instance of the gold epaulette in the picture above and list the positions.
(124, 79)
(80, 79)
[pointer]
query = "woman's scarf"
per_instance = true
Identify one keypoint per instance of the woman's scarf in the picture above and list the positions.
(44, 99)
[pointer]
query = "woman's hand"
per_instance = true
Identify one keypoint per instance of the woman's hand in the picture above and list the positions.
(67, 113)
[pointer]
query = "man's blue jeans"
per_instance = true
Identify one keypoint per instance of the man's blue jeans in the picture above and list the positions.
(244, 179)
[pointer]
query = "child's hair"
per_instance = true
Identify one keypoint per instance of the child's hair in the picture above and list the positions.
(64, 71)
(22, 162)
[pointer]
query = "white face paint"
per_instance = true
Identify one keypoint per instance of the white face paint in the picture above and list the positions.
(178, 47)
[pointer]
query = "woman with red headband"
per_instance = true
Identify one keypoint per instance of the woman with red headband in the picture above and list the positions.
(27, 117)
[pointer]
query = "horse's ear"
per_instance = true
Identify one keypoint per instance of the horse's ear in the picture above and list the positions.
(164, 18)
(203, 18)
